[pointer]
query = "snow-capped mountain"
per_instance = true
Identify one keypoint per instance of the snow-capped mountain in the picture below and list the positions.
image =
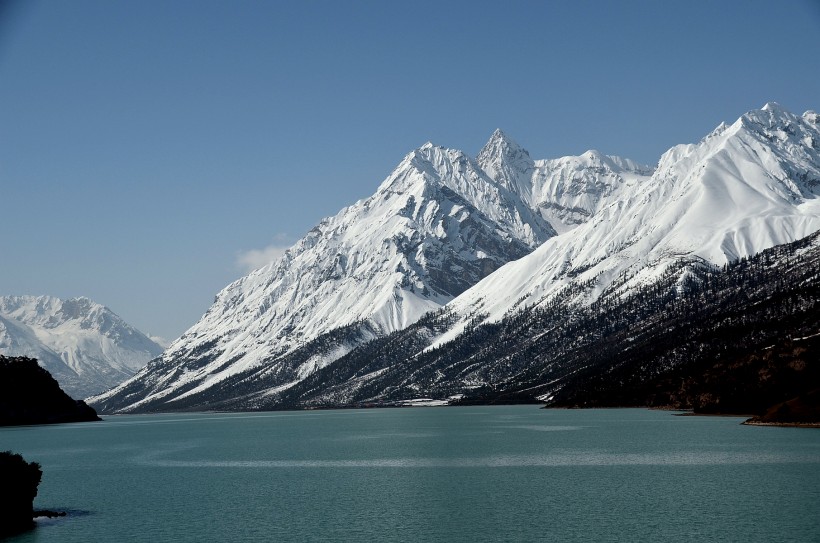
(436, 226)
(84, 345)
(442, 222)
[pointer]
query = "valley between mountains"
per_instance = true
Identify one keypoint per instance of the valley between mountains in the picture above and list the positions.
(582, 280)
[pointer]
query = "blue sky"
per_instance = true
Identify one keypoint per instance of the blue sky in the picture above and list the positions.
(150, 151)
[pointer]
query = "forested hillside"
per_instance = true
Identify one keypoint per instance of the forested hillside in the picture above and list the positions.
(733, 339)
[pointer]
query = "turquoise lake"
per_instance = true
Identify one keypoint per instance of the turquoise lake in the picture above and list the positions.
(514, 473)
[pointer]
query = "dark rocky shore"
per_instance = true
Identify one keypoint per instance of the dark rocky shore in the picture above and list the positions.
(802, 411)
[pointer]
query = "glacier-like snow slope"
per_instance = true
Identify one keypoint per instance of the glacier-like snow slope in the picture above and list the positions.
(84, 345)
(742, 189)
(436, 226)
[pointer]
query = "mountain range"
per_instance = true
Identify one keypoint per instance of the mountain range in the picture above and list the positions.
(390, 298)
(85, 346)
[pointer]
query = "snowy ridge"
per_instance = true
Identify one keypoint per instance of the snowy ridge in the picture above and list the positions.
(508, 164)
(565, 191)
(84, 345)
(569, 190)
(742, 189)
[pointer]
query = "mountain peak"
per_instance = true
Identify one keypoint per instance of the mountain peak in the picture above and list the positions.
(594, 155)
(507, 163)
(773, 107)
(501, 136)
(500, 144)
(771, 115)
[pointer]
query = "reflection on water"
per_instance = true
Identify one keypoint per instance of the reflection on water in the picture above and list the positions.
(540, 428)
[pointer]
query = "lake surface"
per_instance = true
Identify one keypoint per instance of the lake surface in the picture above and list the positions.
(515, 473)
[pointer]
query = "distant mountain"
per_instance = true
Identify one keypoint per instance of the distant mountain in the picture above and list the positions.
(339, 319)
(84, 345)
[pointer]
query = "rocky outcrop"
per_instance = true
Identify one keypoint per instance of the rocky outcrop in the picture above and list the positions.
(20, 480)
(30, 395)
(803, 410)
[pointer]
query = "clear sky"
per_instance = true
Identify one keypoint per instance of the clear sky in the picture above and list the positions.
(151, 151)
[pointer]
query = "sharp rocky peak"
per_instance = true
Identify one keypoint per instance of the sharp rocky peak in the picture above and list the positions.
(502, 148)
(501, 140)
(771, 116)
(429, 165)
(507, 163)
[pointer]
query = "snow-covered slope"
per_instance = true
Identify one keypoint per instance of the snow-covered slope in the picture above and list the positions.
(742, 189)
(84, 345)
(569, 190)
(436, 226)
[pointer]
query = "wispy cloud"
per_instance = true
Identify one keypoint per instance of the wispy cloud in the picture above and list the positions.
(161, 341)
(254, 259)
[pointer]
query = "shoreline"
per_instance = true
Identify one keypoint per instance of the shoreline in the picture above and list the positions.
(693, 414)
(674, 411)
(751, 422)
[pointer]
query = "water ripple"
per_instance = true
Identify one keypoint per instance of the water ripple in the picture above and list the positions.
(683, 458)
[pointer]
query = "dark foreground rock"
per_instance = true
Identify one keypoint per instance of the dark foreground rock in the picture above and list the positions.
(801, 411)
(17, 491)
(30, 395)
